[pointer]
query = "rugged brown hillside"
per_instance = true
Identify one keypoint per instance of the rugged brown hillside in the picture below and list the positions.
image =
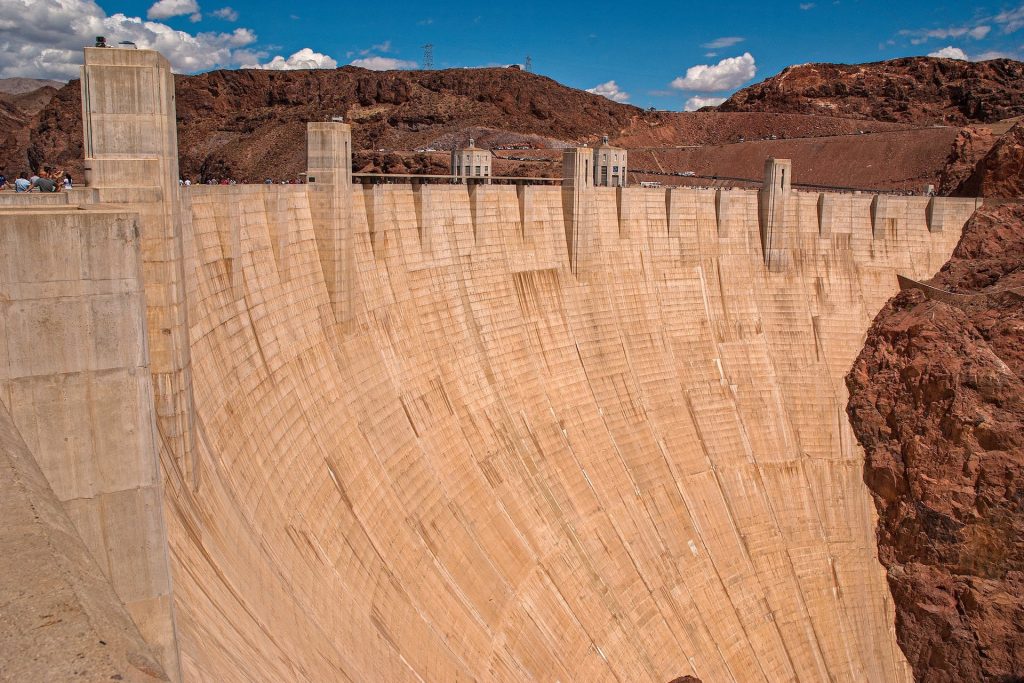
(920, 90)
(14, 132)
(17, 113)
(1000, 173)
(250, 123)
(20, 86)
(671, 129)
(937, 401)
(898, 160)
(969, 147)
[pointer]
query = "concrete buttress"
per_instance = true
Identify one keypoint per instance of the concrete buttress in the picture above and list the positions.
(329, 176)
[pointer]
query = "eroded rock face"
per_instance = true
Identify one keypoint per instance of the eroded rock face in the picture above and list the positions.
(923, 90)
(970, 146)
(1000, 173)
(937, 401)
(18, 106)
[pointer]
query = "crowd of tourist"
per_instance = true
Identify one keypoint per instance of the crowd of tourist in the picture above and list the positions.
(187, 182)
(47, 180)
(51, 180)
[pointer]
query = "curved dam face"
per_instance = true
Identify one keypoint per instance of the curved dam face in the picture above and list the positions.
(501, 469)
(464, 433)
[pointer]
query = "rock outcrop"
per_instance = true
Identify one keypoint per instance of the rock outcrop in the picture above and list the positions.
(18, 108)
(922, 90)
(937, 401)
(970, 146)
(1000, 173)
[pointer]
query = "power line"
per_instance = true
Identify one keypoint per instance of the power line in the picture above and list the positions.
(428, 56)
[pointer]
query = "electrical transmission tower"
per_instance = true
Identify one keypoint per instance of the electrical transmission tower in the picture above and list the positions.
(428, 56)
(528, 64)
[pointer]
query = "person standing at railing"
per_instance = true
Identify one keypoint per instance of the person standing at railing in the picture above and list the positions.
(44, 184)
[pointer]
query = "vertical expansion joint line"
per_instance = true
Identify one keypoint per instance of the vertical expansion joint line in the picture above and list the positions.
(87, 120)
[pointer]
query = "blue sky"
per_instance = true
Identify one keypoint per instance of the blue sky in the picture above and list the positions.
(661, 54)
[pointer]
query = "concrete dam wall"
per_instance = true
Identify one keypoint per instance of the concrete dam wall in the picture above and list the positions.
(501, 470)
(457, 433)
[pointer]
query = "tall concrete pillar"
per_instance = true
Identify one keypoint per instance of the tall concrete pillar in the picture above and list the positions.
(329, 169)
(941, 211)
(723, 215)
(884, 217)
(577, 181)
(772, 200)
(131, 158)
(826, 214)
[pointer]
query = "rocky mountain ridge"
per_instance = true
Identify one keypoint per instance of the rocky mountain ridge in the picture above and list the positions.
(20, 86)
(921, 90)
(250, 124)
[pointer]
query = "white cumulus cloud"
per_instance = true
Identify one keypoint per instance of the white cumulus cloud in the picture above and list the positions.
(303, 59)
(378, 63)
(165, 9)
(611, 91)
(695, 103)
(949, 52)
(45, 39)
(731, 72)
(226, 13)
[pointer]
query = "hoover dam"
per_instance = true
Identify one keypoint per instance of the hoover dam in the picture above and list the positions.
(415, 432)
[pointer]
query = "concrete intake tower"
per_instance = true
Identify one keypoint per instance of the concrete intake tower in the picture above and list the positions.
(400, 432)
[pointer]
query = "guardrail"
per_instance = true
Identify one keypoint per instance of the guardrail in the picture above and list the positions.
(758, 182)
(402, 178)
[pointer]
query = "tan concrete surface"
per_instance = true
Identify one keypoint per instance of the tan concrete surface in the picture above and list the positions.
(74, 372)
(60, 619)
(457, 432)
(500, 470)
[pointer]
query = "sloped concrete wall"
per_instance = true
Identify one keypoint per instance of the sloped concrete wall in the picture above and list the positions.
(503, 469)
(61, 619)
(74, 374)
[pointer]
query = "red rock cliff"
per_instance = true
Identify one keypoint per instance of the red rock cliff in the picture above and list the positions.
(922, 90)
(937, 401)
